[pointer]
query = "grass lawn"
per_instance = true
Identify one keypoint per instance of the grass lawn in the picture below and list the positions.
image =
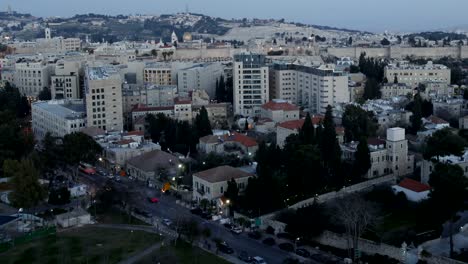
(114, 216)
(183, 253)
(81, 245)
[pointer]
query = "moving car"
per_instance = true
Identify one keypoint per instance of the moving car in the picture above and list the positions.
(245, 257)
(303, 252)
(236, 230)
(258, 260)
(286, 247)
(225, 248)
(269, 241)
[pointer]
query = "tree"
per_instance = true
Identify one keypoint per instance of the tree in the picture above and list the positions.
(362, 162)
(307, 222)
(45, 94)
(154, 53)
(415, 118)
(448, 193)
(357, 215)
(59, 196)
(353, 69)
(395, 79)
(190, 229)
(371, 89)
(350, 41)
(78, 147)
(27, 192)
(306, 133)
(220, 90)
(329, 146)
(232, 191)
(385, 42)
(202, 123)
(358, 123)
(442, 143)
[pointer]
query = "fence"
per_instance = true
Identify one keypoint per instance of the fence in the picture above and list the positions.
(43, 232)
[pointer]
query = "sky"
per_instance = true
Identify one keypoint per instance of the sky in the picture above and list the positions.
(369, 15)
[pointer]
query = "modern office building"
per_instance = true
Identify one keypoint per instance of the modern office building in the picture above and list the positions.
(59, 117)
(103, 97)
(251, 86)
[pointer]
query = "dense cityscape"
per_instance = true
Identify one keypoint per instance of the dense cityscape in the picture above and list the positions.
(186, 138)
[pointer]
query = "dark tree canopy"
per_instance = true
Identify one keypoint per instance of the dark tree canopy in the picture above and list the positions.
(415, 118)
(80, 147)
(45, 94)
(202, 123)
(307, 222)
(358, 123)
(362, 162)
(442, 143)
(329, 146)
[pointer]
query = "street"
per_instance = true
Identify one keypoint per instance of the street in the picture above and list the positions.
(167, 207)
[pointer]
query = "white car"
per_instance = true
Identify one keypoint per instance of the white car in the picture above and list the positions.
(258, 260)
(167, 222)
(236, 230)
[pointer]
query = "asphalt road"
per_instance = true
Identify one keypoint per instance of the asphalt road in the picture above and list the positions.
(168, 208)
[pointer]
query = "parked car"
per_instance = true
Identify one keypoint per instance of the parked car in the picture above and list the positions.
(225, 248)
(153, 200)
(269, 241)
(258, 260)
(286, 247)
(167, 222)
(228, 226)
(303, 252)
(255, 235)
(244, 257)
(196, 211)
(236, 230)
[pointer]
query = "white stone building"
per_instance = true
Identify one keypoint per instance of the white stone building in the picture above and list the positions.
(251, 86)
(279, 111)
(31, 76)
(390, 90)
(199, 77)
(59, 117)
(413, 75)
(103, 97)
(388, 156)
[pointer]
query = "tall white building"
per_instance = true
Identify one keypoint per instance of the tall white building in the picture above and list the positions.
(250, 81)
(313, 88)
(103, 97)
(59, 117)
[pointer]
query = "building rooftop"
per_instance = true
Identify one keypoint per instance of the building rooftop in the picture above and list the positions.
(413, 185)
(153, 159)
(297, 124)
(222, 174)
(101, 72)
(277, 104)
(67, 109)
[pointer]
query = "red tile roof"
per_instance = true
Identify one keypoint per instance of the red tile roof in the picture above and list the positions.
(135, 133)
(413, 185)
(241, 138)
(124, 141)
(375, 141)
(179, 100)
(274, 106)
(437, 120)
(296, 124)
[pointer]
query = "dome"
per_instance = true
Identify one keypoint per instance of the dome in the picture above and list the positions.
(187, 36)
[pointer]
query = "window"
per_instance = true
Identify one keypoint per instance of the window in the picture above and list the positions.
(222, 189)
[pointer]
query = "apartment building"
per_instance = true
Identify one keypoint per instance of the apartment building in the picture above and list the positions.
(388, 156)
(199, 77)
(65, 82)
(313, 88)
(59, 117)
(158, 74)
(279, 111)
(251, 86)
(31, 76)
(413, 75)
(389, 90)
(428, 166)
(149, 95)
(103, 97)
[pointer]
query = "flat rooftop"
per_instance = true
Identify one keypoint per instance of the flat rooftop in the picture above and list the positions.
(67, 109)
(101, 73)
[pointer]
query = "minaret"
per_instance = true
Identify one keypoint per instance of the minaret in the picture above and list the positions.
(174, 38)
(48, 34)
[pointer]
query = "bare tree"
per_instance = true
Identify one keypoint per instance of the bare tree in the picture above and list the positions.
(356, 214)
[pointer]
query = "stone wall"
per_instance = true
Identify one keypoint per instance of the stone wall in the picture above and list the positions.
(396, 52)
(389, 179)
(202, 53)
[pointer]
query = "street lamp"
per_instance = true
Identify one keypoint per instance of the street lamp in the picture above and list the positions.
(228, 201)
